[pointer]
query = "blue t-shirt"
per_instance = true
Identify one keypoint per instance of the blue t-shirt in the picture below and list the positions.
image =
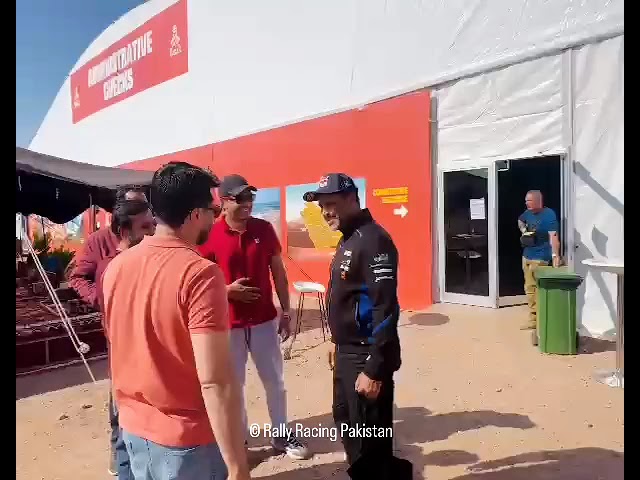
(542, 223)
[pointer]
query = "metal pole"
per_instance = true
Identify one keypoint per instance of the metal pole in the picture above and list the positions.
(620, 333)
(615, 378)
(80, 347)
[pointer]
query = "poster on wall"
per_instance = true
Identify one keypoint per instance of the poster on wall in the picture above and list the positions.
(267, 207)
(308, 234)
(477, 209)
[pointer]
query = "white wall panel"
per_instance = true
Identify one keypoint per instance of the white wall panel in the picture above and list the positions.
(403, 43)
(514, 112)
(159, 120)
(599, 175)
(254, 65)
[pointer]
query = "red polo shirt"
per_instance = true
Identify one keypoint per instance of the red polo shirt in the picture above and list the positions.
(246, 255)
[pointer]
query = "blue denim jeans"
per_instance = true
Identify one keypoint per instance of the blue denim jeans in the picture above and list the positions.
(122, 466)
(150, 461)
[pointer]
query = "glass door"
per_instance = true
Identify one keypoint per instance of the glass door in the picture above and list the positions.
(512, 184)
(466, 237)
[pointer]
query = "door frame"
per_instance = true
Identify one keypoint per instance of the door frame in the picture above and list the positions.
(567, 196)
(458, 298)
(565, 217)
(513, 300)
(567, 202)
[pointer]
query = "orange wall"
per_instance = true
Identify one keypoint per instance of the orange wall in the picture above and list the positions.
(387, 143)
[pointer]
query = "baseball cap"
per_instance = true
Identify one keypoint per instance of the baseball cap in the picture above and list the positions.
(233, 185)
(331, 183)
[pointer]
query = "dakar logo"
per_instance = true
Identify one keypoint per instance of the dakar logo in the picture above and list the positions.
(176, 48)
(76, 99)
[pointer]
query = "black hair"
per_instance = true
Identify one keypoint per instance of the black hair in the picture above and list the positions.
(177, 189)
(123, 211)
(121, 193)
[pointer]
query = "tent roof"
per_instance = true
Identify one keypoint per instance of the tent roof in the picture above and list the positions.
(76, 172)
(61, 189)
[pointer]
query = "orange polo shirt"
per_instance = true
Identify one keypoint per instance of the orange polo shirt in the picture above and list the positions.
(156, 295)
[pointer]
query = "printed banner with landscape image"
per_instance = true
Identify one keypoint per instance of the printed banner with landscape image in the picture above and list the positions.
(267, 207)
(308, 234)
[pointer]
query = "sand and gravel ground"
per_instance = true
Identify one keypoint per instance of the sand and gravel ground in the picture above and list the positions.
(474, 402)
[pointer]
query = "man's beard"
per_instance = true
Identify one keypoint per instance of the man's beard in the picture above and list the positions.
(133, 241)
(336, 223)
(202, 238)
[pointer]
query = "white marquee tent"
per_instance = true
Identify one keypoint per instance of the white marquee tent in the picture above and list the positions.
(510, 79)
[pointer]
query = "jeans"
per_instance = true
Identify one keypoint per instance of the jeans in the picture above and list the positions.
(150, 461)
(118, 448)
(264, 344)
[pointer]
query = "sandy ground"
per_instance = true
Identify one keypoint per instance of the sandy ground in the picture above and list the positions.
(474, 402)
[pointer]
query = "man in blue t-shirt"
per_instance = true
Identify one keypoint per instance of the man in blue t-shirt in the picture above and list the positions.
(539, 228)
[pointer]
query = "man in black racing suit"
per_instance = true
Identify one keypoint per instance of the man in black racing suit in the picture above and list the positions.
(363, 315)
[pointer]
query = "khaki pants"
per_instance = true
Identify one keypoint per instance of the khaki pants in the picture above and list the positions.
(531, 288)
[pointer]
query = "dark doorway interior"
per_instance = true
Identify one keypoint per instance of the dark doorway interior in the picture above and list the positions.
(466, 245)
(515, 179)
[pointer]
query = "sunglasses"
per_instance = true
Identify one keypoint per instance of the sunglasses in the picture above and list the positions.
(244, 197)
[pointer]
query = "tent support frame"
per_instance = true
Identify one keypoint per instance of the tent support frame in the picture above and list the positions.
(79, 346)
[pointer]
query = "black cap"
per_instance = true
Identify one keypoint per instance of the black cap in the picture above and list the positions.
(331, 183)
(233, 185)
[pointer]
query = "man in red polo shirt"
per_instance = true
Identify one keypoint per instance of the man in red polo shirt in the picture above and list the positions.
(249, 253)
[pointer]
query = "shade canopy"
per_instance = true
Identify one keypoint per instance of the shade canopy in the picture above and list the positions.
(62, 189)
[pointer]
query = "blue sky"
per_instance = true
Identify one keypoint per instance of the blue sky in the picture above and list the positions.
(50, 37)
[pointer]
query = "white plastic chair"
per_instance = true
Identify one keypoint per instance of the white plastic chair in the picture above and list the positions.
(310, 288)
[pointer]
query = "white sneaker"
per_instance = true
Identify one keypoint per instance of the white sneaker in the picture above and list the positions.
(293, 447)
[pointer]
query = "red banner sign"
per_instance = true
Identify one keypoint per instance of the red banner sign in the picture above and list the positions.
(153, 53)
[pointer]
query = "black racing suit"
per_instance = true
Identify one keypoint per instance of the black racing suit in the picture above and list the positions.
(363, 316)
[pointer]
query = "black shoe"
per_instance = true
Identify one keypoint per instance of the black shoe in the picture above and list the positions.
(396, 469)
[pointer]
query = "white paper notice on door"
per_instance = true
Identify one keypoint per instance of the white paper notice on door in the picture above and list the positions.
(476, 209)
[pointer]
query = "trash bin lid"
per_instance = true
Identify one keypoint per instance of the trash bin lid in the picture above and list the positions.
(560, 276)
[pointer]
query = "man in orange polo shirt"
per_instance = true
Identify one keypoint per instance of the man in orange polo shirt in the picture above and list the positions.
(131, 221)
(167, 322)
(100, 246)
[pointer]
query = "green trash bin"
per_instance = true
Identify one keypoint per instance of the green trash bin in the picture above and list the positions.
(557, 310)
